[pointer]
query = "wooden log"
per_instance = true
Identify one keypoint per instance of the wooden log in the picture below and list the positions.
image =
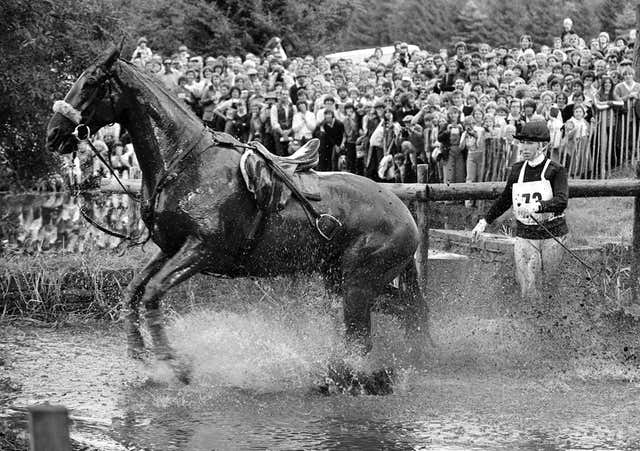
(49, 428)
(422, 219)
(491, 190)
(469, 191)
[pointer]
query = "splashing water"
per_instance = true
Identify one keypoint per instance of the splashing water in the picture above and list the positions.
(273, 347)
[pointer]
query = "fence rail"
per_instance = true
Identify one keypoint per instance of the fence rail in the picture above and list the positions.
(424, 193)
(491, 190)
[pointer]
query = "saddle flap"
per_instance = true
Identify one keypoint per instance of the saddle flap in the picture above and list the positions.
(270, 193)
(303, 159)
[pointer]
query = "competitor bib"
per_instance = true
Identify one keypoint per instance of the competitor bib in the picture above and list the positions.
(528, 192)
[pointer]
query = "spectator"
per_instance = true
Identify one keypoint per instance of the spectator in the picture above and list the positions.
(303, 123)
(331, 140)
(142, 52)
(449, 137)
(281, 123)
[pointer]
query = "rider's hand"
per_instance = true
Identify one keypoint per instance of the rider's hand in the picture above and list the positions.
(478, 229)
(526, 210)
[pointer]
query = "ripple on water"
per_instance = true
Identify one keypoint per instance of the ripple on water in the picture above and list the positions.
(254, 370)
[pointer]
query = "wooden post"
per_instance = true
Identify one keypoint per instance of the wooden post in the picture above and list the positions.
(49, 428)
(635, 247)
(636, 45)
(422, 219)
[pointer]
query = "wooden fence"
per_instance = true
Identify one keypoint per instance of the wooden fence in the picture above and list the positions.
(424, 193)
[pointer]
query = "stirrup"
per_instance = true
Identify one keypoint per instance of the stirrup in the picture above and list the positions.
(328, 222)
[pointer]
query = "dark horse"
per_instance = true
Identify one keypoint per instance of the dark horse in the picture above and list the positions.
(200, 219)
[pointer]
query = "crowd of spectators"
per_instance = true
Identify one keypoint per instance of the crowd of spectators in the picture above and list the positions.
(456, 111)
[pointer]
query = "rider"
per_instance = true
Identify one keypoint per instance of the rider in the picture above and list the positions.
(537, 190)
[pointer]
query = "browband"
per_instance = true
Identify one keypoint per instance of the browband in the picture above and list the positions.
(68, 111)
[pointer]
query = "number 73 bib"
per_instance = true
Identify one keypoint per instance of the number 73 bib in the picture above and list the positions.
(523, 193)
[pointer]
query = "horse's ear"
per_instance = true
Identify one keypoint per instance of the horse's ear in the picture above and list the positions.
(109, 58)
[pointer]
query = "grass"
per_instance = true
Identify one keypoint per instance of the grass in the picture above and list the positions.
(47, 286)
(601, 220)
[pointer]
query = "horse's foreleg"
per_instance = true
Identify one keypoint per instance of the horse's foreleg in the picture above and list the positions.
(186, 262)
(132, 296)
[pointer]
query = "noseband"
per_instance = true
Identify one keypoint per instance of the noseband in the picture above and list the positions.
(74, 114)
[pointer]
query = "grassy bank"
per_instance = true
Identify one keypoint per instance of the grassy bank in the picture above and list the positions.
(48, 286)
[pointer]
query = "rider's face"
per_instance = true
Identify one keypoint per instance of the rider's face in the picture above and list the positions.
(529, 150)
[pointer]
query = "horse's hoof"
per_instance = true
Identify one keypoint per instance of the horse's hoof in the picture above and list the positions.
(139, 354)
(181, 370)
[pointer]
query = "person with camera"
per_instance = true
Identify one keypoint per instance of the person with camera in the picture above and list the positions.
(411, 139)
(537, 190)
(472, 144)
(304, 122)
(449, 137)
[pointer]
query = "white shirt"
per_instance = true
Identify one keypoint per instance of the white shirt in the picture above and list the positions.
(303, 124)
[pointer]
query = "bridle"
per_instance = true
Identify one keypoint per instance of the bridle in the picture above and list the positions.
(326, 224)
(82, 133)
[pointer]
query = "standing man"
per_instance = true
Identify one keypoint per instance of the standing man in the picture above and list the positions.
(331, 141)
(281, 118)
(537, 190)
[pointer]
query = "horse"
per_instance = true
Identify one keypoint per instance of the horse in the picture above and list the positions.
(199, 212)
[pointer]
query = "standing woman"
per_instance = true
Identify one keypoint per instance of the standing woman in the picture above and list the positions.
(606, 121)
(537, 190)
(449, 137)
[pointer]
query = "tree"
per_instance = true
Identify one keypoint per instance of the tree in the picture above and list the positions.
(44, 45)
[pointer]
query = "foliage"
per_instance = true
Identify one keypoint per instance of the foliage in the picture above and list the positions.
(42, 42)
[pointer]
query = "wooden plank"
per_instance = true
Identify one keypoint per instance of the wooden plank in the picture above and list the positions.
(636, 242)
(463, 191)
(422, 220)
(49, 428)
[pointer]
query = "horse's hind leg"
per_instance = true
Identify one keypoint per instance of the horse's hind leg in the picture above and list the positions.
(416, 318)
(358, 299)
(188, 261)
(132, 296)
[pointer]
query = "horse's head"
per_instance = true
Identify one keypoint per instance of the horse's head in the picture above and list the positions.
(93, 101)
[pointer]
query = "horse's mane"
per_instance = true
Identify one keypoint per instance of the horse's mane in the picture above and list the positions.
(153, 93)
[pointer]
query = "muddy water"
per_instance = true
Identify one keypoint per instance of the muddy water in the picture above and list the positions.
(255, 373)
(495, 381)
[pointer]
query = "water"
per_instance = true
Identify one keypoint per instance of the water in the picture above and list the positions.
(37, 223)
(495, 382)
(255, 374)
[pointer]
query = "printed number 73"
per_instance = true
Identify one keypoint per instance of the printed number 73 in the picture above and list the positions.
(535, 196)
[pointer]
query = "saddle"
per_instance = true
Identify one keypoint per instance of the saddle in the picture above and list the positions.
(269, 190)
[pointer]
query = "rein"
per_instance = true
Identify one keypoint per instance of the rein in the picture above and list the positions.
(551, 235)
(326, 224)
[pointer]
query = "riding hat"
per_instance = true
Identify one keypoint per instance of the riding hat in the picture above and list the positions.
(534, 131)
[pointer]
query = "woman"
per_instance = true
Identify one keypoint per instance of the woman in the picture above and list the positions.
(575, 155)
(472, 144)
(606, 103)
(303, 122)
(449, 137)
(538, 192)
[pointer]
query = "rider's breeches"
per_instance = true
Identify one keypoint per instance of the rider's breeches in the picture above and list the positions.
(537, 262)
